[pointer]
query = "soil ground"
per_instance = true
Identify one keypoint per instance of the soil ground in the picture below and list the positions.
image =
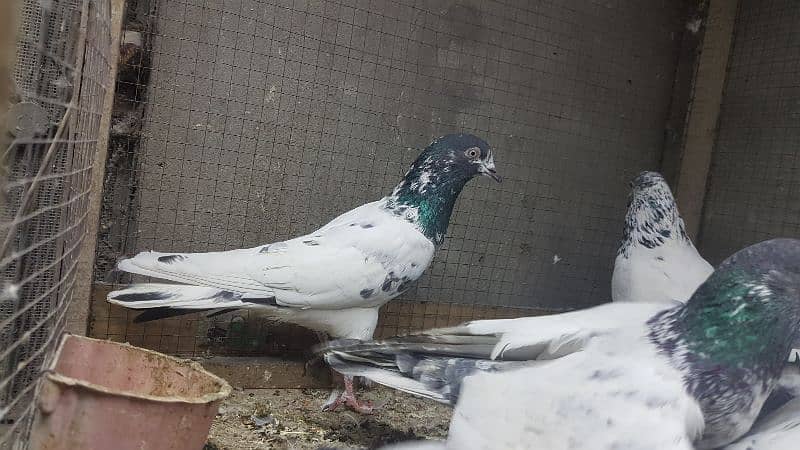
(292, 419)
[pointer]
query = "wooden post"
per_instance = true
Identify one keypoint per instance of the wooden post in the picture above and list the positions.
(701, 122)
(8, 32)
(78, 313)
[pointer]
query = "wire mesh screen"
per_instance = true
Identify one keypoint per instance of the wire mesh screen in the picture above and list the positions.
(262, 120)
(59, 82)
(754, 188)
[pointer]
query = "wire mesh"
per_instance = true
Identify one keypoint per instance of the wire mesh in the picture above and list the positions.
(59, 81)
(754, 191)
(259, 121)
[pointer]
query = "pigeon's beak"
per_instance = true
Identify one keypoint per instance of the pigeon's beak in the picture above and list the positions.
(487, 169)
(491, 173)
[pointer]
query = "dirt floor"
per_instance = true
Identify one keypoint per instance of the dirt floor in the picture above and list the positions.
(292, 419)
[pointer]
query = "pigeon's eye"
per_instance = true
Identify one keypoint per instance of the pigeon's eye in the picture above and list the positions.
(473, 152)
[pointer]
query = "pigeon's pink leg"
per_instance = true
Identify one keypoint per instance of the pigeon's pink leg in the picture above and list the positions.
(348, 397)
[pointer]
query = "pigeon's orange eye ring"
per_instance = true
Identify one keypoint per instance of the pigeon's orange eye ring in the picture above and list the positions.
(473, 152)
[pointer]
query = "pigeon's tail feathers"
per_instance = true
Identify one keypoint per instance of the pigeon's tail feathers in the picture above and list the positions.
(430, 366)
(180, 296)
(393, 378)
(222, 270)
(441, 341)
(165, 312)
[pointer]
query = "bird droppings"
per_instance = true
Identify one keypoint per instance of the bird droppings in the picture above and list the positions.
(291, 419)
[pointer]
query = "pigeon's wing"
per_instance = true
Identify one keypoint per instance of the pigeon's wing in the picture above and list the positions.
(778, 425)
(433, 364)
(362, 258)
(585, 400)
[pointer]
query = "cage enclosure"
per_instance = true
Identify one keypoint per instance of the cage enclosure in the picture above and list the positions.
(240, 123)
(237, 123)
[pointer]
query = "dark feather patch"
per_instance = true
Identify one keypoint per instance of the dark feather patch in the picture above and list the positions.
(169, 259)
(222, 311)
(311, 242)
(366, 293)
(143, 296)
(163, 312)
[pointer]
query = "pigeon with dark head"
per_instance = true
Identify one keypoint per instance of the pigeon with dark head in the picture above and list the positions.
(334, 279)
(621, 375)
(656, 260)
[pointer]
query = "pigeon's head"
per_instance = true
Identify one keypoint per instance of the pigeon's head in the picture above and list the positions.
(428, 191)
(652, 216)
(646, 180)
(456, 157)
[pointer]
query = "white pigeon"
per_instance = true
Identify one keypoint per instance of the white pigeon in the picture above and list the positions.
(647, 376)
(656, 260)
(331, 280)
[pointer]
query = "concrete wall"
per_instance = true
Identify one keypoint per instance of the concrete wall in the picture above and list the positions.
(265, 119)
(754, 184)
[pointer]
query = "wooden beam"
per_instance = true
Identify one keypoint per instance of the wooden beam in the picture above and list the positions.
(8, 33)
(704, 112)
(78, 312)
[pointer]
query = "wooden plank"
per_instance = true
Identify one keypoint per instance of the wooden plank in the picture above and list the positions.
(78, 312)
(704, 112)
(262, 373)
(8, 30)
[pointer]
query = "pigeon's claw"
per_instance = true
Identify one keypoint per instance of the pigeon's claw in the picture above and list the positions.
(334, 400)
(348, 398)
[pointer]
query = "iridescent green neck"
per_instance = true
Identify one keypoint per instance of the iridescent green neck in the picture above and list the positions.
(427, 201)
(737, 320)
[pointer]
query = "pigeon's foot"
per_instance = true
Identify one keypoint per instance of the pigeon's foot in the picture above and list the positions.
(348, 398)
(334, 400)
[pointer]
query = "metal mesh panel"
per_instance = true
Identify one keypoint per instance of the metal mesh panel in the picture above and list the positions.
(60, 79)
(262, 120)
(754, 188)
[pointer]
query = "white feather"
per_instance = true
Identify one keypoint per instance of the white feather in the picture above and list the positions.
(343, 266)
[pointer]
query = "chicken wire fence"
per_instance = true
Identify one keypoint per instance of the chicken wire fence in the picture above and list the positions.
(754, 187)
(244, 122)
(52, 119)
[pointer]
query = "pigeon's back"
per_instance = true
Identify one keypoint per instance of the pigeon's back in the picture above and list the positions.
(615, 394)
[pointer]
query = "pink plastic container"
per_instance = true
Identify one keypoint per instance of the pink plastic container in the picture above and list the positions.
(103, 395)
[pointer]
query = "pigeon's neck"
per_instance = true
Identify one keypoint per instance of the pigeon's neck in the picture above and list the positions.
(732, 337)
(426, 197)
(652, 220)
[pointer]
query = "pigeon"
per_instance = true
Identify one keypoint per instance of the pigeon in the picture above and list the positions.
(690, 375)
(656, 260)
(332, 280)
